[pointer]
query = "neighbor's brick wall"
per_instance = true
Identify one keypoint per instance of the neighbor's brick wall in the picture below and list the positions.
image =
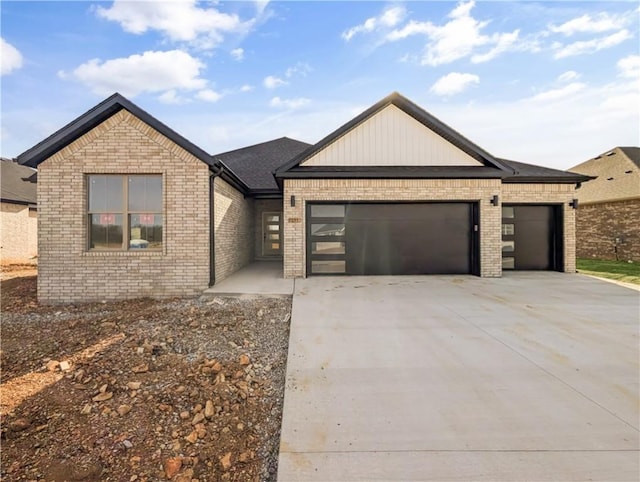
(263, 206)
(391, 190)
(549, 194)
(18, 233)
(123, 144)
(233, 220)
(598, 225)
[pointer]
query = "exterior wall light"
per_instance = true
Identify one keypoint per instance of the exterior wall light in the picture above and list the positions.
(574, 204)
(495, 200)
(293, 201)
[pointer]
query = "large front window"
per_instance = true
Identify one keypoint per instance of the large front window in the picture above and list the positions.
(125, 212)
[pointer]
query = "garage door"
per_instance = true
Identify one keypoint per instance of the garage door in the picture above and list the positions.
(531, 237)
(391, 239)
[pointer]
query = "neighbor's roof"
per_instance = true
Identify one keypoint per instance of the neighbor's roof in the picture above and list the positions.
(255, 164)
(411, 109)
(618, 176)
(531, 173)
(16, 188)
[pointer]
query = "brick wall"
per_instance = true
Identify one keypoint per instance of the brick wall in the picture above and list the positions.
(549, 194)
(391, 190)
(263, 206)
(233, 220)
(598, 226)
(122, 144)
(18, 233)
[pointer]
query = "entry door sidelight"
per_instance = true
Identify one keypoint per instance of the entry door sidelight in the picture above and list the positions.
(271, 234)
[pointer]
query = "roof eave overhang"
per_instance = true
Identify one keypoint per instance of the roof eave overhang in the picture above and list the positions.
(383, 175)
(545, 180)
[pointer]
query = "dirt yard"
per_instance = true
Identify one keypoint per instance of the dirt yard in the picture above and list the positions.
(142, 390)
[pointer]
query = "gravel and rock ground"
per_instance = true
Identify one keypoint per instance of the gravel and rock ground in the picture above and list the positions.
(141, 390)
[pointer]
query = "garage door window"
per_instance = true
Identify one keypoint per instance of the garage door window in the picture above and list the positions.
(326, 238)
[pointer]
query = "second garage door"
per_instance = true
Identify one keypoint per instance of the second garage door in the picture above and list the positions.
(391, 239)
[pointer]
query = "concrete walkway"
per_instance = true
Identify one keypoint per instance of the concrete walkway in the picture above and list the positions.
(262, 278)
(534, 376)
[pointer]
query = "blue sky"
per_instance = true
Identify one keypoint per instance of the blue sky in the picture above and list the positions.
(551, 83)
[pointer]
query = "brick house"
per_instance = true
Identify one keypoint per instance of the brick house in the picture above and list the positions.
(129, 208)
(18, 213)
(608, 216)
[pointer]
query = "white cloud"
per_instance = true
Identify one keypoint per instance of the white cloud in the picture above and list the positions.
(459, 37)
(300, 69)
(246, 88)
(389, 18)
(629, 67)
(561, 93)
(503, 43)
(271, 82)
(10, 57)
(172, 97)
(178, 20)
(602, 22)
(149, 72)
(289, 103)
(590, 46)
(568, 76)
(454, 83)
(237, 54)
(209, 95)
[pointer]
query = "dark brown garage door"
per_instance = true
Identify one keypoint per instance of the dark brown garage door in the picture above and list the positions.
(531, 237)
(391, 239)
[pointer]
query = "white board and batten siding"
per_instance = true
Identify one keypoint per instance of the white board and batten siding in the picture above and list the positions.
(391, 138)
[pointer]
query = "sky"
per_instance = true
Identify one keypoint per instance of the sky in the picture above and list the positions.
(550, 83)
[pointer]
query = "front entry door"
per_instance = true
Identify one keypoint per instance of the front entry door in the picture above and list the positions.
(272, 234)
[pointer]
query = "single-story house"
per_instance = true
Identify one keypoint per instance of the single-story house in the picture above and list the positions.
(128, 207)
(608, 216)
(18, 213)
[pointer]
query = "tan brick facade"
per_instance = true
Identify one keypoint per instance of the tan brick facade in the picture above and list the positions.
(549, 194)
(391, 190)
(18, 233)
(599, 225)
(68, 271)
(234, 243)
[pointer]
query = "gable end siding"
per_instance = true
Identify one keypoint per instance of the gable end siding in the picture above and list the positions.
(391, 138)
(123, 144)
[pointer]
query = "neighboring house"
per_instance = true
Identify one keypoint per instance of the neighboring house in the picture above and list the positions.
(608, 216)
(18, 213)
(129, 208)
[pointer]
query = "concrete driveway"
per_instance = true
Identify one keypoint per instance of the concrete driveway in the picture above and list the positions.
(534, 376)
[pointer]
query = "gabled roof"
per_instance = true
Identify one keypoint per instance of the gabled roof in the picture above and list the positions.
(255, 164)
(531, 173)
(94, 117)
(618, 176)
(15, 184)
(410, 109)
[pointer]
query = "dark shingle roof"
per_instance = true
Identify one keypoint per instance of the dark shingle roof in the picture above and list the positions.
(531, 173)
(15, 188)
(255, 164)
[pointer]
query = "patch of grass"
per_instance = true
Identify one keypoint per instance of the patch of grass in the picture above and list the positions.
(617, 270)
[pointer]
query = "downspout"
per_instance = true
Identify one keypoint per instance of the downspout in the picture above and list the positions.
(215, 171)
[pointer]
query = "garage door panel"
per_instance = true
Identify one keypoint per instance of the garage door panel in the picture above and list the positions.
(428, 238)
